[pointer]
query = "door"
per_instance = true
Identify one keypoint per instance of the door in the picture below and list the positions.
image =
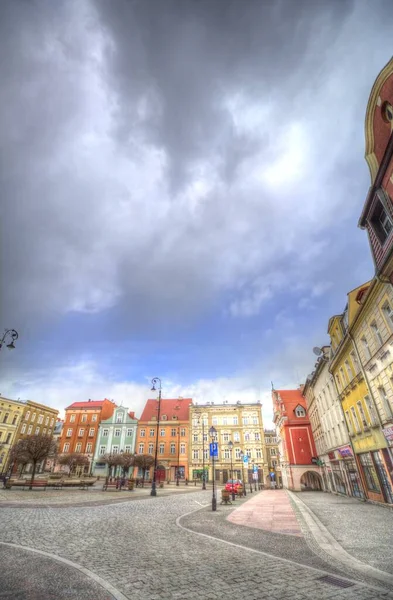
(383, 478)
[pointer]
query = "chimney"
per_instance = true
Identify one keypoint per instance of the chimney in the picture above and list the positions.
(132, 415)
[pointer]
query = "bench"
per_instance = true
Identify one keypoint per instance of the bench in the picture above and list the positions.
(111, 486)
(56, 485)
(15, 483)
(83, 485)
(38, 483)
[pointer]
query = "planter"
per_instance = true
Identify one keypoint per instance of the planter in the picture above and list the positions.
(161, 485)
(131, 485)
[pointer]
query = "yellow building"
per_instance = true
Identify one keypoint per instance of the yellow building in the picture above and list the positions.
(241, 424)
(11, 413)
(352, 340)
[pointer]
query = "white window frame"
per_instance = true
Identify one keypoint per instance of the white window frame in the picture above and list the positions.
(72, 419)
(66, 447)
(376, 333)
(102, 450)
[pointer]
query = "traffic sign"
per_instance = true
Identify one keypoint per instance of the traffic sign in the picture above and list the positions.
(255, 468)
(214, 449)
(245, 459)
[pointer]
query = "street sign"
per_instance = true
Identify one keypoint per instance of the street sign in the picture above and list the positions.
(214, 449)
(255, 468)
(245, 460)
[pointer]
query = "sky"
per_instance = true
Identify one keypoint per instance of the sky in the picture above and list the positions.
(180, 188)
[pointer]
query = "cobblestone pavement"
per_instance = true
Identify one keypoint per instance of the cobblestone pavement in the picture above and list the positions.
(138, 548)
(364, 530)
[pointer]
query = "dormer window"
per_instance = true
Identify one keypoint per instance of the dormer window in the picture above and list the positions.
(164, 417)
(119, 418)
(299, 411)
(381, 222)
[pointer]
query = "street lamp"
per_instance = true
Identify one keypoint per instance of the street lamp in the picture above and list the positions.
(203, 449)
(178, 456)
(212, 432)
(244, 483)
(155, 381)
(230, 446)
(12, 335)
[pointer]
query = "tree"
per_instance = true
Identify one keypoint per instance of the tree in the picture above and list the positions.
(74, 459)
(144, 462)
(34, 448)
(17, 457)
(113, 461)
(128, 460)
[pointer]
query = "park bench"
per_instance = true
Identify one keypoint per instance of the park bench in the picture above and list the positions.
(56, 484)
(37, 484)
(83, 485)
(15, 483)
(112, 486)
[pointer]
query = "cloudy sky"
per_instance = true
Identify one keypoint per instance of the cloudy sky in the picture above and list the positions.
(180, 187)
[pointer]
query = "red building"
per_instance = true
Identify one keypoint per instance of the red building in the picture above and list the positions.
(296, 443)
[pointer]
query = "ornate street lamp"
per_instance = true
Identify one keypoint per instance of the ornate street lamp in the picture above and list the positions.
(244, 483)
(12, 335)
(230, 446)
(200, 417)
(213, 432)
(156, 381)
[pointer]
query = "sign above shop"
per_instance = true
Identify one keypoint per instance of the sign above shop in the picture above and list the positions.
(345, 451)
(332, 455)
(388, 433)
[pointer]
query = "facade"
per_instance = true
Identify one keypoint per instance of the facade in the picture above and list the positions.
(115, 435)
(11, 414)
(173, 437)
(334, 450)
(298, 454)
(80, 430)
(242, 424)
(51, 462)
(38, 419)
(273, 459)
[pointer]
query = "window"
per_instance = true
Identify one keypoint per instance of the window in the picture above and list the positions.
(225, 421)
(173, 448)
(84, 418)
(40, 419)
(274, 463)
(142, 432)
(66, 447)
(47, 421)
(78, 447)
(343, 378)
(206, 453)
(119, 417)
(371, 410)
(355, 419)
(338, 381)
(381, 222)
(94, 418)
(27, 416)
(237, 453)
(182, 448)
(272, 452)
(105, 432)
(161, 448)
(255, 420)
(33, 417)
(151, 448)
(349, 422)
(361, 413)
(369, 473)
(129, 432)
(162, 432)
(257, 436)
(173, 432)
(8, 440)
(248, 452)
(387, 112)
(195, 437)
(355, 361)
(349, 370)
(69, 432)
(91, 432)
(183, 432)
(247, 436)
(72, 419)
(151, 433)
(366, 348)
(81, 432)
(117, 432)
(195, 454)
(89, 447)
(376, 333)
(23, 428)
(205, 437)
(227, 453)
(385, 402)
(51, 422)
(236, 436)
(141, 448)
(102, 450)
(29, 429)
(127, 449)
(388, 312)
(235, 420)
(115, 449)
(259, 453)
(214, 421)
(245, 420)
(164, 418)
(225, 437)
(37, 430)
(300, 412)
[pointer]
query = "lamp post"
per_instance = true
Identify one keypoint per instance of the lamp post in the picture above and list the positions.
(12, 335)
(230, 446)
(155, 381)
(178, 456)
(213, 432)
(203, 449)
(244, 483)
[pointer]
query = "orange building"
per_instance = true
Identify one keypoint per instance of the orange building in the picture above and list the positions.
(80, 429)
(173, 437)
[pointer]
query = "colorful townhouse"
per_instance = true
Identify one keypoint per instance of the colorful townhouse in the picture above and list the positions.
(11, 414)
(170, 435)
(81, 423)
(239, 433)
(115, 436)
(273, 458)
(298, 455)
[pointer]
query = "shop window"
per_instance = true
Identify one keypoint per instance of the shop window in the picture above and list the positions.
(369, 473)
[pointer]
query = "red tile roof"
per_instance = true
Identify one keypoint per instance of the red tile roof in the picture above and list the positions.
(88, 404)
(291, 398)
(169, 407)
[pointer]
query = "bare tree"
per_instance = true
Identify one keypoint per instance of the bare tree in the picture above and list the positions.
(16, 456)
(113, 461)
(72, 460)
(144, 462)
(128, 460)
(34, 448)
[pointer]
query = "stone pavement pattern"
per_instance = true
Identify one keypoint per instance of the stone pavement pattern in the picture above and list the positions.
(364, 530)
(138, 548)
(271, 511)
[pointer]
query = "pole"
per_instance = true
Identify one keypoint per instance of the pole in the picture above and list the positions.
(214, 500)
(203, 455)
(178, 456)
(233, 487)
(153, 485)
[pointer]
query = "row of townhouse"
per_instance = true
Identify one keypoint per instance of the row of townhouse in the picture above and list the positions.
(19, 419)
(179, 431)
(350, 392)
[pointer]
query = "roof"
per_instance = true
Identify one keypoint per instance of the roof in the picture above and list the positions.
(88, 404)
(171, 407)
(291, 399)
